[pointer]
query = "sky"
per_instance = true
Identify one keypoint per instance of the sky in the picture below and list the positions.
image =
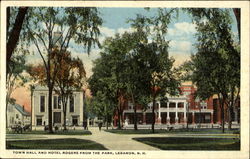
(181, 33)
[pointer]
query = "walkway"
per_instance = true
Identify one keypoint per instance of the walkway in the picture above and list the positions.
(114, 141)
(109, 140)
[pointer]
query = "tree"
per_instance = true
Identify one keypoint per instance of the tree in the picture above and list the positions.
(107, 76)
(69, 77)
(202, 13)
(159, 76)
(57, 27)
(217, 62)
(102, 107)
(15, 78)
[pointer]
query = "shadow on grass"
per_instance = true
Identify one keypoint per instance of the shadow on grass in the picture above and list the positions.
(188, 143)
(60, 132)
(175, 131)
(55, 144)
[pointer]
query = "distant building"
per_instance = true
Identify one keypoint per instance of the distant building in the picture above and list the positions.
(178, 111)
(74, 112)
(16, 114)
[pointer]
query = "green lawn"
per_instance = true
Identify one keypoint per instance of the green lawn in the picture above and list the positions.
(185, 143)
(55, 144)
(60, 132)
(175, 131)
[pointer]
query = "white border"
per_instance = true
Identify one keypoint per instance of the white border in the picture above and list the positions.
(244, 5)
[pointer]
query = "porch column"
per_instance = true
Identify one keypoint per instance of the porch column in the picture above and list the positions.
(185, 111)
(176, 113)
(193, 120)
(212, 117)
(123, 117)
(159, 112)
(236, 115)
(168, 119)
(144, 118)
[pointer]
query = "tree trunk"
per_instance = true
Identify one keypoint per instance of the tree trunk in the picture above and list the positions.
(221, 103)
(135, 118)
(119, 118)
(222, 115)
(64, 98)
(107, 127)
(223, 119)
(15, 32)
(230, 117)
(153, 115)
(50, 108)
(135, 113)
(64, 120)
(187, 116)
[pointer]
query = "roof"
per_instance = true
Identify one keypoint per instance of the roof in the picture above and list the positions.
(45, 88)
(21, 110)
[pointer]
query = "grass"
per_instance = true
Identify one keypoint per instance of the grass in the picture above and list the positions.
(55, 144)
(60, 132)
(187, 143)
(175, 131)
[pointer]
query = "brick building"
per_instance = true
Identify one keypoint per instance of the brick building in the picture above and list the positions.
(178, 111)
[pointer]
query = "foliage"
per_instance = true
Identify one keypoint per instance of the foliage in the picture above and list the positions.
(217, 62)
(102, 107)
(15, 77)
(51, 27)
(69, 76)
(106, 78)
(133, 65)
(152, 56)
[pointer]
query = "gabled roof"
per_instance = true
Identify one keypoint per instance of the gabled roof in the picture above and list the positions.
(21, 110)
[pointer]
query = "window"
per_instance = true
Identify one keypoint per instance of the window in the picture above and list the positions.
(39, 121)
(181, 105)
(172, 105)
(71, 104)
(164, 104)
(12, 120)
(203, 105)
(59, 102)
(17, 116)
(55, 102)
(57, 117)
(42, 103)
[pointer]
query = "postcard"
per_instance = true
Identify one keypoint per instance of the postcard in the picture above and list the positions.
(125, 79)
